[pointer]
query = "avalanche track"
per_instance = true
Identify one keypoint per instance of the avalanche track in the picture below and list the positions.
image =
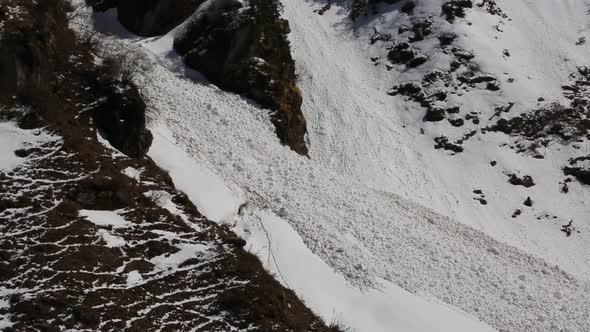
(341, 202)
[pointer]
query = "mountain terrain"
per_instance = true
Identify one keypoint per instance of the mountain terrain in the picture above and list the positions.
(318, 165)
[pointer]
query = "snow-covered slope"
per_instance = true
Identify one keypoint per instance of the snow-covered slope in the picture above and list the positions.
(360, 131)
(377, 201)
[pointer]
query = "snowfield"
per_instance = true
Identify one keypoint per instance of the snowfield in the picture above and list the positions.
(385, 223)
(361, 132)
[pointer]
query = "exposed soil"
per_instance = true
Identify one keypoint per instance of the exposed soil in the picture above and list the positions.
(60, 270)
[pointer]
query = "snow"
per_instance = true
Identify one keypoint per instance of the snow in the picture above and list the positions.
(132, 173)
(375, 203)
(216, 200)
(134, 278)
(105, 218)
(13, 138)
(187, 251)
(4, 320)
(360, 132)
(111, 240)
(113, 151)
(385, 308)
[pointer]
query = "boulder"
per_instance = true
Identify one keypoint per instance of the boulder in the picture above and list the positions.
(580, 169)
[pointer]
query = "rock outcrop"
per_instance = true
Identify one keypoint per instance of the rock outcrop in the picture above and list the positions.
(32, 46)
(154, 17)
(579, 168)
(246, 50)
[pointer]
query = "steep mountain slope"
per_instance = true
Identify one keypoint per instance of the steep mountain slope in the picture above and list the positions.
(445, 155)
(433, 133)
(347, 202)
(94, 239)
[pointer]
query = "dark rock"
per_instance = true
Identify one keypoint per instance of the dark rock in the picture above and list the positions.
(462, 55)
(408, 7)
(154, 17)
(443, 142)
(482, 79)
(456, 8)
(447, 39)
(526, 181)
(580, 169)
(121, 119)
(401, 53)
(493, 86)
(101, 5)
(473, 117)
(421, 29)
(567, 229)
(434, 115)
(516, 213)
(32, 49)
(418, 61)
(528, 202)
(457, 122)
(246, 50)
(30, 120)
(453, 110)
(235, 241)
(440, 96)
(22, 153)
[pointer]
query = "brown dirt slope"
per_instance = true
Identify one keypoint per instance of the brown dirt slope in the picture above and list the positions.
(59, 270)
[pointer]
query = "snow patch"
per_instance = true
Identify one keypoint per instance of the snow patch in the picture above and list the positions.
(13, 138)
(105, 218)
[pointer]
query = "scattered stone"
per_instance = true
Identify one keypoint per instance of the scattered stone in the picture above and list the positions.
(516, 213)
(442, 142)
(567, 229)
(579, 168)
(418, 61)
(401, 53)
(447, 39)
(528, 202)
(453, 110)
(526, 181)
(434, 115)
(457, 122)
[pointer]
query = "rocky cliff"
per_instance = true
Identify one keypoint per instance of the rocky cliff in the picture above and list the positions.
(243, 47)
